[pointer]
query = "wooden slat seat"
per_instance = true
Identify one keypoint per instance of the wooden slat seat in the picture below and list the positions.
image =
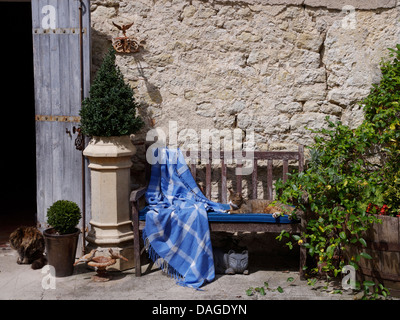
(234, 222)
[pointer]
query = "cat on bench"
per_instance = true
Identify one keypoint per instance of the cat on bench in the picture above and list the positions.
(240, 205)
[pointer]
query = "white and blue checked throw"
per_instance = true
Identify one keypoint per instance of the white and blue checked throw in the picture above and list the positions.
(177, 229)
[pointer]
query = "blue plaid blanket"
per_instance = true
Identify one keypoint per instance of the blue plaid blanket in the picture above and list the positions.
(177, 229)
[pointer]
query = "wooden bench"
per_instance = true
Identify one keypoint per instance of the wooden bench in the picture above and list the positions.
(226, 225)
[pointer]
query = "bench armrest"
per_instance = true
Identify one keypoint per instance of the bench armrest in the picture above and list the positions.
(137, 194)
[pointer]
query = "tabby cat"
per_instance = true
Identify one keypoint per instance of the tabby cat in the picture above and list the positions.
(29, 243)
(239, 205)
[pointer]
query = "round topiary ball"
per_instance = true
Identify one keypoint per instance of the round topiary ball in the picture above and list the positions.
(63, 216)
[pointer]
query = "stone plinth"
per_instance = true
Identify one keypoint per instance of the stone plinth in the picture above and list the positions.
(111, 227)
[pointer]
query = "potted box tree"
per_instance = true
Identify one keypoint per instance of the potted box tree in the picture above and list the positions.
(62, 238)
(110, 109)
(109, 117)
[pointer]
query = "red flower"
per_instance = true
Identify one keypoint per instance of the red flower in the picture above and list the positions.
(375, 209)
(383, 209)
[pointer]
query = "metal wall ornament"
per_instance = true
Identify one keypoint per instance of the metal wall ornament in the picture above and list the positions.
(126, 44)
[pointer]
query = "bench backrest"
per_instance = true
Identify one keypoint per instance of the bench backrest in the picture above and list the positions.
(269, 156)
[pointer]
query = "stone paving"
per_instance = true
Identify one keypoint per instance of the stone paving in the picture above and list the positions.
(20, 282)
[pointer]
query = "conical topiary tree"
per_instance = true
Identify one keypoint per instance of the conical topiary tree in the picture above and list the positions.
(110, 110)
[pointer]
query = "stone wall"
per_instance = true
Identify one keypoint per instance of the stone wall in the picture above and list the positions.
(276, 67)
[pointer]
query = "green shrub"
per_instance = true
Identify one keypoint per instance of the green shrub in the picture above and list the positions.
(110, 110)
(382, 113)
(63, 216)
(350, 172)
(335, 190)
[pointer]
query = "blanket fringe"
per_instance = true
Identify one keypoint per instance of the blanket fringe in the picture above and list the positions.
(162, 264)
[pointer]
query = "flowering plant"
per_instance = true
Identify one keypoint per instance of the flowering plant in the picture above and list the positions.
(374, 209)
(353, 175)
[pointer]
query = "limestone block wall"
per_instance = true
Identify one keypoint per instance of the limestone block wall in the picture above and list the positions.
(275, 67)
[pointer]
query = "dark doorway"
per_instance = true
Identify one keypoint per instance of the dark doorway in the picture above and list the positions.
(18, 145)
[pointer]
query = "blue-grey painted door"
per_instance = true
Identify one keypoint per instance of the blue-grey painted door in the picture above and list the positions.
(57, 78)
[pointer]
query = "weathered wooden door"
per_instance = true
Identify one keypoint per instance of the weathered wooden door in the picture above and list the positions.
(57, 76)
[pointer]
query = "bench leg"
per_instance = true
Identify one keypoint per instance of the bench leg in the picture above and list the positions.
(303, 250)
(303, 258)
(138, 265)
(136, 240)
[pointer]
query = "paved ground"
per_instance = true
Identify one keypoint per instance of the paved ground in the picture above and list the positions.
(20, 282)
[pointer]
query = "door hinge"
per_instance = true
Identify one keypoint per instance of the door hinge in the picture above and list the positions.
(58, 31)
(59, 118)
